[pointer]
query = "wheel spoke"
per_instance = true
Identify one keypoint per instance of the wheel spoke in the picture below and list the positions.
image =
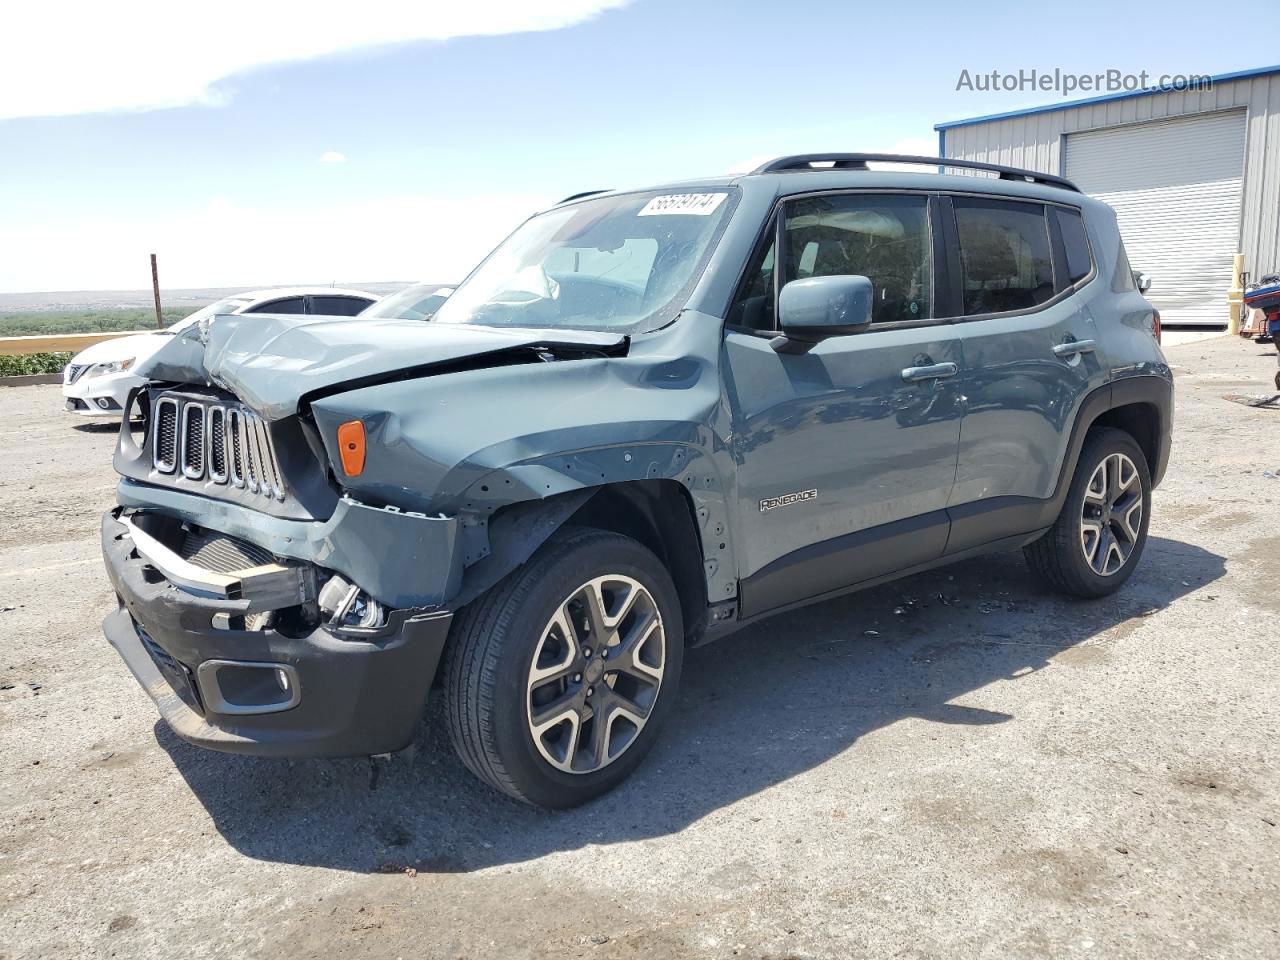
(1128, 513)
(1113, 550)
(560, 629)
(1090, 538)
(604, 709)
(555, 711)
(1096, 490)
(628, 655)
(597, 616)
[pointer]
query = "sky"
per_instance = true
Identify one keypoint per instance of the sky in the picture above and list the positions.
(250, 144)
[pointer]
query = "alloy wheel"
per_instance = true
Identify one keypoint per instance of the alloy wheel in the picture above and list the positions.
(1111, 517)
(595, 674)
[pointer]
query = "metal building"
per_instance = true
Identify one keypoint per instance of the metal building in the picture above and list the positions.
(1194, 177)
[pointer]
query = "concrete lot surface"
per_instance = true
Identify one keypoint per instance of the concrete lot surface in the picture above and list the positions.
(957, 765)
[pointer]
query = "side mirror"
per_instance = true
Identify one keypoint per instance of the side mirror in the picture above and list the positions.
(1142, 280)
(818, 307)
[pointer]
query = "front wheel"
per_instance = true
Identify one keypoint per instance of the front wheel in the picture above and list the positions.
(558, 679)
(1094, 545)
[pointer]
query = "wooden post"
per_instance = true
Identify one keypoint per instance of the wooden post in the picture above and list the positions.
(155, 290)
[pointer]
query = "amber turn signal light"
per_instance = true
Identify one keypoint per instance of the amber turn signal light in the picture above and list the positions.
(351, 447)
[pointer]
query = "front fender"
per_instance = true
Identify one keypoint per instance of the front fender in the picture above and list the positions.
(470, 443)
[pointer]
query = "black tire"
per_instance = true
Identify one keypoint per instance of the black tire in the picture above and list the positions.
(491, 647)
(1057, 557)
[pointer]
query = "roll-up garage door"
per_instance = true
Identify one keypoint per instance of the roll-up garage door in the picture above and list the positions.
(1175, 186)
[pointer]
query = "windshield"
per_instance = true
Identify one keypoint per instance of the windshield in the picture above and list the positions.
(225, 305)
(418, 302)
(621, 263)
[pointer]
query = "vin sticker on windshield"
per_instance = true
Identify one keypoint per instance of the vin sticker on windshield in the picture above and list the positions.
(690, 204)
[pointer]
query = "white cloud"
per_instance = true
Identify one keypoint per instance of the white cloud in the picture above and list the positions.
(423, 237)
(87, 56)
(333, 156)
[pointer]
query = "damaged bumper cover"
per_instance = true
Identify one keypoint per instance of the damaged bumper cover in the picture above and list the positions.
(401, 559)
(318, 691)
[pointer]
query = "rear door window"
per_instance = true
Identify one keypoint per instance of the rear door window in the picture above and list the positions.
(1005, 259)
(1075, 244)
(338, 306)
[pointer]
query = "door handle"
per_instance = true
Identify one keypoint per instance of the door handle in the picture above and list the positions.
(1073, 347)
(934, 371)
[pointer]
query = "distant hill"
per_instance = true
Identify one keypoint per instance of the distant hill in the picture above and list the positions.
(191, 298)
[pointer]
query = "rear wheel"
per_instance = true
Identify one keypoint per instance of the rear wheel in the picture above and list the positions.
(1095, 544)
(559, 678)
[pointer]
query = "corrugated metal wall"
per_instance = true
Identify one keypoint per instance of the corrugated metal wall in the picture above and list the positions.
(1035, 141)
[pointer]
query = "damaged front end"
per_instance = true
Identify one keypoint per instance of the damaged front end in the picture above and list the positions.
(264, 611)
(241, 653)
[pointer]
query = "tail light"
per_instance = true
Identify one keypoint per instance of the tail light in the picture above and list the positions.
(1155, 324)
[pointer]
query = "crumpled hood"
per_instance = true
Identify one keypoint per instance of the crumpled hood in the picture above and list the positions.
(271, 361)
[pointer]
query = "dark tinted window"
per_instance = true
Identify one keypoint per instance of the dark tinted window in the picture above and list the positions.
(754, 306)
(1075, 242)
(1123, 281)
(285, 305)
(1004, 255)
(338, 306)
(885, 239)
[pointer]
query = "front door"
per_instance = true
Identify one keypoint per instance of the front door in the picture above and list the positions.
(845, 454)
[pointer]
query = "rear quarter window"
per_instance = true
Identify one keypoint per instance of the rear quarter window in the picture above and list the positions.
(1075, 244)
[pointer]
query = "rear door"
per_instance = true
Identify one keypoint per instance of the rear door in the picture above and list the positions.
(846, 453)
(1030, 357)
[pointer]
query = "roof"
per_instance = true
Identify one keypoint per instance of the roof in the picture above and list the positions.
(1068, 104)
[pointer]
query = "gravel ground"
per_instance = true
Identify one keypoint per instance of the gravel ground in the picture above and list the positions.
(994, 772)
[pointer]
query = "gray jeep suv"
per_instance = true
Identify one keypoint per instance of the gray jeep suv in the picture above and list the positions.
(647, 419)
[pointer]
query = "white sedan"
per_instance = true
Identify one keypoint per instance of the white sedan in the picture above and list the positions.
(97, 381)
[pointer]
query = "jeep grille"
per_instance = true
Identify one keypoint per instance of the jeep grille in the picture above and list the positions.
(221, 442)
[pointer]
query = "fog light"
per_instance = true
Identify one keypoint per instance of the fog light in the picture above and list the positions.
(104, 403)
(346, 605)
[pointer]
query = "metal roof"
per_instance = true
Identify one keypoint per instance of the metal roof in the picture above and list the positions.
(1068, 104)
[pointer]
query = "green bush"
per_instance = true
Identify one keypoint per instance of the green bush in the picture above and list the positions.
(33, 363)
(34, 323)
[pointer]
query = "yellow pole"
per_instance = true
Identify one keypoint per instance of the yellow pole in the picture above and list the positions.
(1235, 296)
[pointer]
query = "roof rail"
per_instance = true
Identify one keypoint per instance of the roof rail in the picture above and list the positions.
(858, 161)
(585, 193)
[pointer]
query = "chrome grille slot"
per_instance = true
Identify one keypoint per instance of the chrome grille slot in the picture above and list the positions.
(193, 423)
(216, 432)
(220, 443)
(249, 440)
(235, 446)
(164, 442)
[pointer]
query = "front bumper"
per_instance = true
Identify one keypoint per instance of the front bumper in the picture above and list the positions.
(346, 692)
(100, 396)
